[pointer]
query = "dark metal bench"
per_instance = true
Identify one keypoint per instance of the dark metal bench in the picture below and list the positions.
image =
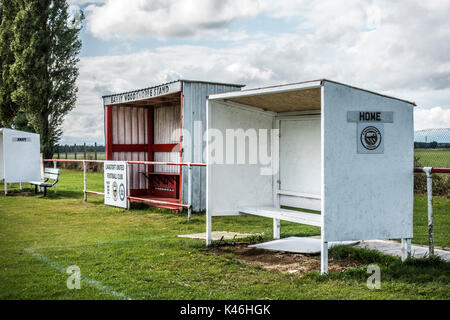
(49, 174)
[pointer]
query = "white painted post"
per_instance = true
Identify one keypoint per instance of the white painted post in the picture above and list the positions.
(20, 185)
(189, 191)
(427, 170)
(276, 229)
(127, 166)
(208, 228)
(406, 248)
(324, 257)
(54, 166)
(6, 187)
(84, 181)
(276, 176)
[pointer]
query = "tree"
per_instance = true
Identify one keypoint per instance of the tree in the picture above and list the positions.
(8, 108)
(45, 45)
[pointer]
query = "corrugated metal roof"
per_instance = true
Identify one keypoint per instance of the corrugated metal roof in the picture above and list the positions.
(377, 93)
(213, 82)
(179, 80)
(126, 92)
(303, 85)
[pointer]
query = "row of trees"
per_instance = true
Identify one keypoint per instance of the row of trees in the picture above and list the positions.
(39, 44)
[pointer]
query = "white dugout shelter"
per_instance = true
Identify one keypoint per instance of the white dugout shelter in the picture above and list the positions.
(341, 150)
(19, 156)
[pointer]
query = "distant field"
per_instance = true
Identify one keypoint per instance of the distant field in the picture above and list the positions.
(427, 157)
(80, 155)
(433, 157)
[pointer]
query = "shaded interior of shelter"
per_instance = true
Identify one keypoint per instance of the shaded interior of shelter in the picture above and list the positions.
(295, 100)
(148, 130)
(297, 112)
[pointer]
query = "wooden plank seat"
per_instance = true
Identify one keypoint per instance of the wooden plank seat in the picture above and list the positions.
(311, 219)
(49, 174)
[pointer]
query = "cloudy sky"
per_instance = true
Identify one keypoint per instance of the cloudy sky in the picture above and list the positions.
(400, 48)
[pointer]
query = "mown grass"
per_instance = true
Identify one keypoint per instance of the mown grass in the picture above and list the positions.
(439, 158)
(80, 155)
(137, 253)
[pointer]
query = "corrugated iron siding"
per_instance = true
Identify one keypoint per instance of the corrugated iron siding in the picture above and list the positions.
(130, 127)
(194, 109)
(166, 130)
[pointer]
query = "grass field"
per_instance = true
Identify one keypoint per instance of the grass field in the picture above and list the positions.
(439, 158)
(427, 157)
(136, 254)
(80, 155)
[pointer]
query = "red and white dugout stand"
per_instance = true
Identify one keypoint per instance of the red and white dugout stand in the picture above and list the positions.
(147, 125)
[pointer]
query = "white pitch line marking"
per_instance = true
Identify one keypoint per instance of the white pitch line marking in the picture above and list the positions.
(99, 243)
(89, 281)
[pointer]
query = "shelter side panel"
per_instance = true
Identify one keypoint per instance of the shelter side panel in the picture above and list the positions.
(233, 184)
(300, 162)
(194, 128)
(22, 160)
(367, 195)
(2, 164)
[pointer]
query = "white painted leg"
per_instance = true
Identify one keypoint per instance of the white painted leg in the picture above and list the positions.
(406, 249)
(324, 257)
(276, 228)
(54, 166)
(189, 191)
(6, 187)
(85, 182)
(208, 229)
(21, 186)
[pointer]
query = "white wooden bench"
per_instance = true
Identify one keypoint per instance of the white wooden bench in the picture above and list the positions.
(49, 174)
(278, 214)
(311, 219)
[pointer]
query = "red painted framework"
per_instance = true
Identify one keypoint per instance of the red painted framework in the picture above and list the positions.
(163, 180)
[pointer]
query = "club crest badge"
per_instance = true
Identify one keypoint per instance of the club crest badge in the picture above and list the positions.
(370, 137)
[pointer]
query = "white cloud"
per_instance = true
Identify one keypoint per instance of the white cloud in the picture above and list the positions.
(435, 117)
(165, 18)
(400, 49)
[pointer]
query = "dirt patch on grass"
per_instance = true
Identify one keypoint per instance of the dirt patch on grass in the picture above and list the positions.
(15, 193)
(283, 261)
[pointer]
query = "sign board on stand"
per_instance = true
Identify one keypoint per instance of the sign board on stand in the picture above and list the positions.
(115, 175)
(370, 129)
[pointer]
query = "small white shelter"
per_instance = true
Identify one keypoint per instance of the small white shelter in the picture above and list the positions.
(19, 156)
(341, 150)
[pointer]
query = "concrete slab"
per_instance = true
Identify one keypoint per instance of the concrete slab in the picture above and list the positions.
(298, 245)
(394, 248)
(217, 235)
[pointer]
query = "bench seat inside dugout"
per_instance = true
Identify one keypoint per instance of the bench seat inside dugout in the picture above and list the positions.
(342, 153)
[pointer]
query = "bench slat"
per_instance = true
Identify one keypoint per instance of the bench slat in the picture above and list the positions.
(52, 170)
(51, 176)
(284, 214)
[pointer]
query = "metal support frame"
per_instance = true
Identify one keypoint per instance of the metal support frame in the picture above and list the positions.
(84, 181)
(276, 229)
(406, 248)
(324, 257)
(276, 180)
(128, 163)
(54, 166)
(208, 228)
(127, 166)
(428, 171)
(189, 190)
